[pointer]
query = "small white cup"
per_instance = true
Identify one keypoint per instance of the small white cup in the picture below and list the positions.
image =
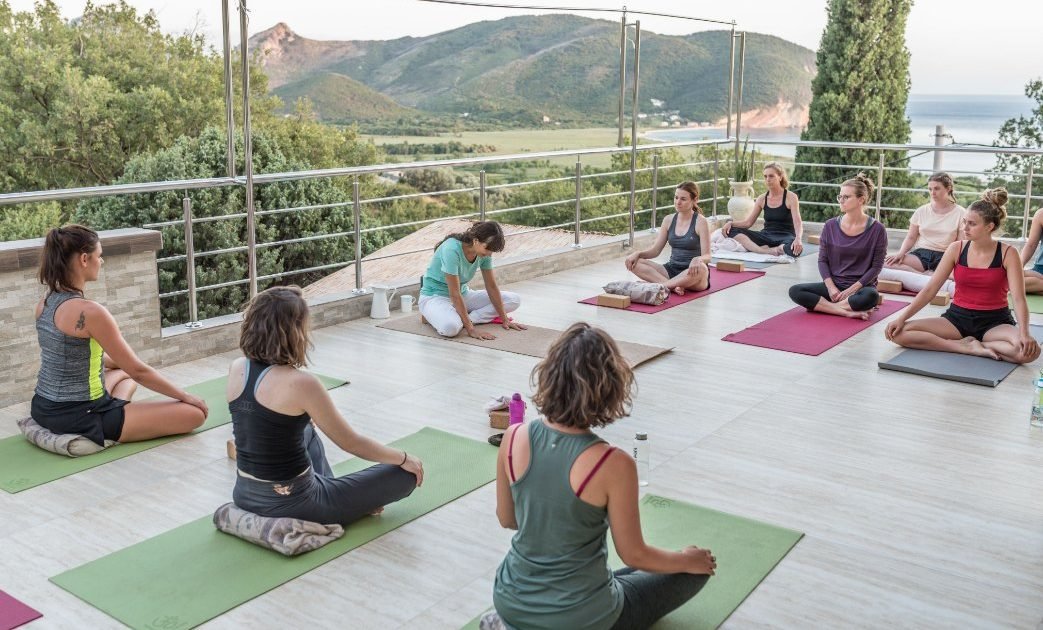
(407, 303)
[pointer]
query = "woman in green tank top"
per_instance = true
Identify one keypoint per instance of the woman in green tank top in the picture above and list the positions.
(549, 488)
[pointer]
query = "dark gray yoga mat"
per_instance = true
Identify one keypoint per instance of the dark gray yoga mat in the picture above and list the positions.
(954, 367)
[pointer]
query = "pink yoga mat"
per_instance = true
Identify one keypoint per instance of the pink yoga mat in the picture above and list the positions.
(802, 332)
(14, 613)
(719, 280)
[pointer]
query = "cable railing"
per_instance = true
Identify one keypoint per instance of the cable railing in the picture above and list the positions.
(593, 187)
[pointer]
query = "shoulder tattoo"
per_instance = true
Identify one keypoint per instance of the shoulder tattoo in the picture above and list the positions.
(81, 323)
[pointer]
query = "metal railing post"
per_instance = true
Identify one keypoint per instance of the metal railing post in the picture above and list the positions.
(633, 128)
(879, 185)
(1028, 201)
(229, 121)
(738, 105)
(579, 199)
(190, 267)
(731, 82)
(622, 75)
(655, 189)
(356, 210)
(481, 195)
(248, 168)
(939, 141)
(716, 175)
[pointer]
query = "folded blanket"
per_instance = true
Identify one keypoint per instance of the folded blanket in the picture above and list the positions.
(288, 536)
(68, 444)
(640, 292)
(724, 247)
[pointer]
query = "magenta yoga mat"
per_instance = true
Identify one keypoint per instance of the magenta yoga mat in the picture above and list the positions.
(14, 613)
(719, 281)
(803, 332)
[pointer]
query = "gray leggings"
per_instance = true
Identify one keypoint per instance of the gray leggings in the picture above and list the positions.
(320, 497)
(647, 597)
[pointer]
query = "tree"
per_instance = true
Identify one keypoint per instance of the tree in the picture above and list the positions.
(859, 95)
(1023, 132)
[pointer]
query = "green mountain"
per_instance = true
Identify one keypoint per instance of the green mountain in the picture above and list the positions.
(562, 66)
(338, 98)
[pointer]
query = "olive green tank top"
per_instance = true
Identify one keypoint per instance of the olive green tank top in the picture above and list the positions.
(556, 573)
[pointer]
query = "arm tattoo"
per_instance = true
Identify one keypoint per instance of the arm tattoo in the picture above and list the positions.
(81, 323)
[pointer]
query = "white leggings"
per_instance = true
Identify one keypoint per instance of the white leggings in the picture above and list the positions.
(439, 311)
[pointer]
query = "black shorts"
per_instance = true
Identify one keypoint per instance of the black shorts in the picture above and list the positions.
(766, 239)
(975, 324)
(928, 258)
(98, 420)
(674, 269)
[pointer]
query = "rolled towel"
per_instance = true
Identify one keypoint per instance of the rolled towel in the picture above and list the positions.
(68, 444)
(912, 281)
(640, 292)
(288, 536)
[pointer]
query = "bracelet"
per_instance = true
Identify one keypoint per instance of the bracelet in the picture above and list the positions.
(405, 456)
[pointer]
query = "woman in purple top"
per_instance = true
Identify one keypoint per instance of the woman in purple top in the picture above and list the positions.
(852, 253)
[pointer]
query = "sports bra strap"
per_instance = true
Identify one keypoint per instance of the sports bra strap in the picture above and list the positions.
(593, 470)
(510, 452)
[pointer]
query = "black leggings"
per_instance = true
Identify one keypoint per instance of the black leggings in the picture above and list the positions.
(647, 597)
(807, 295)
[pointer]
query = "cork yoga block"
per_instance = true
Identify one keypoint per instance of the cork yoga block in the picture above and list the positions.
(942, 299)
(730, 265)
(230, 449)
(813, 239)
(889, 286)
(499, 419)
(614, 301)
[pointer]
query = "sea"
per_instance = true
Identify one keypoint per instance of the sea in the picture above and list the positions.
(968, 119)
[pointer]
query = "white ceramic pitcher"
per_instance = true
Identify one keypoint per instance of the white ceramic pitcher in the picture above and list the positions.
(382, 295)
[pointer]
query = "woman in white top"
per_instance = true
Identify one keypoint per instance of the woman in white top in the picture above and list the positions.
(933, 227)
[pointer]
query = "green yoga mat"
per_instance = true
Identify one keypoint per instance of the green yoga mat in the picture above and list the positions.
(24, 465)
(1035, 303)
(746, 552)
(194, 573)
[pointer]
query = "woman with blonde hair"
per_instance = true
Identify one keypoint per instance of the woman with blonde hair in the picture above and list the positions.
(88, 372)
(688, 234)
(852, 252)
(783, 228)
(275, 406)
(562, 488)
(978, 321)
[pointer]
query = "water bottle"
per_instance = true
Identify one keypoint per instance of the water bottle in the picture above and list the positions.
(1036, 419)
(516, 409)
(641, 457)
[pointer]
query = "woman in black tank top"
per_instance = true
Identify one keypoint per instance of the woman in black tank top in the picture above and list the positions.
(282, 467)
(782, 225)
(689, 236)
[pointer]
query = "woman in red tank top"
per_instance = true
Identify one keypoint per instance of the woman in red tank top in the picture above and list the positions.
(979, 321)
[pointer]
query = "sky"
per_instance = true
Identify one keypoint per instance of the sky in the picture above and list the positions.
(956, 46)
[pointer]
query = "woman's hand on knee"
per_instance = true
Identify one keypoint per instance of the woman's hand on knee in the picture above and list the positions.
(700, 561)
(197, 402)
(415, 466)
(894, 329)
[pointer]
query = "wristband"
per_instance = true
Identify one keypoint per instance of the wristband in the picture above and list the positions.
(405, 456)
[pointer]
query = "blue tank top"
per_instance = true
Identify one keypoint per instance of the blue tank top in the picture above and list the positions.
(1038, 267)
(684, 248)
(778, 220)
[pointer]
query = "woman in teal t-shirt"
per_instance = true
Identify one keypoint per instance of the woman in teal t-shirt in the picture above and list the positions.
(562, 487)
(446, 302)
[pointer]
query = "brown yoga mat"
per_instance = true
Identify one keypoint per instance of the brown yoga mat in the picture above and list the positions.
(532, 342)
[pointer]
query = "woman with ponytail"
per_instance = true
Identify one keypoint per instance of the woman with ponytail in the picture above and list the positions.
(87, 371)
(446, 301)
(852, 252)
(978, 321)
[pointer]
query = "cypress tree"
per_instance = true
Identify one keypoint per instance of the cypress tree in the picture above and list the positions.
(858, 95)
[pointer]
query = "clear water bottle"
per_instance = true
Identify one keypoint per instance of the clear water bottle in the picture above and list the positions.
(516, 409)
(641, 457)
(1036, 419)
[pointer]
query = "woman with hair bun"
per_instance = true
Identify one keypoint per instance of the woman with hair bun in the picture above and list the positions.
(978, 321)
(782, 225)
(688, 234)
(852, 252)
(932, 228)
(446, 301)
(275, 406)
(1033, 276)
(87, 371)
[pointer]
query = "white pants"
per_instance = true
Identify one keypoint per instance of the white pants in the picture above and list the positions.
(439, 311)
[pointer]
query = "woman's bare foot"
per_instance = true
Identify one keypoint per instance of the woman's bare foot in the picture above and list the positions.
(679, 290)
(863, 315)
(978, 349)
(377, 512)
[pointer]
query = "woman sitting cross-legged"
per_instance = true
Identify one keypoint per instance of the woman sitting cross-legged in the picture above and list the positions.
(689, 236)
(852, 252)
(782, 225)
(282, 467)
(978, 321)
(445, 300)
(1033, 276)
(87, 371)
(562, 487)
(932, 228)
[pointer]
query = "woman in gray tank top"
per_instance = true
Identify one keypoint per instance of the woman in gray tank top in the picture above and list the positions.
(562, 487)
(689, 236)
(87, 371)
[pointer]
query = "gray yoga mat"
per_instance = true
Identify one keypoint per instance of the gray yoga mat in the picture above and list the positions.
(954, 367)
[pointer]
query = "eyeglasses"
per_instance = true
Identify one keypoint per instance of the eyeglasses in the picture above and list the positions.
(843, 198)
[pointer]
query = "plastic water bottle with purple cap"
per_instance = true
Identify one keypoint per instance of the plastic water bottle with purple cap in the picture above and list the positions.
(516, 409)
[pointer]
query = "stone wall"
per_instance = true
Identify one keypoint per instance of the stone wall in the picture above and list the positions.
(128, 287)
